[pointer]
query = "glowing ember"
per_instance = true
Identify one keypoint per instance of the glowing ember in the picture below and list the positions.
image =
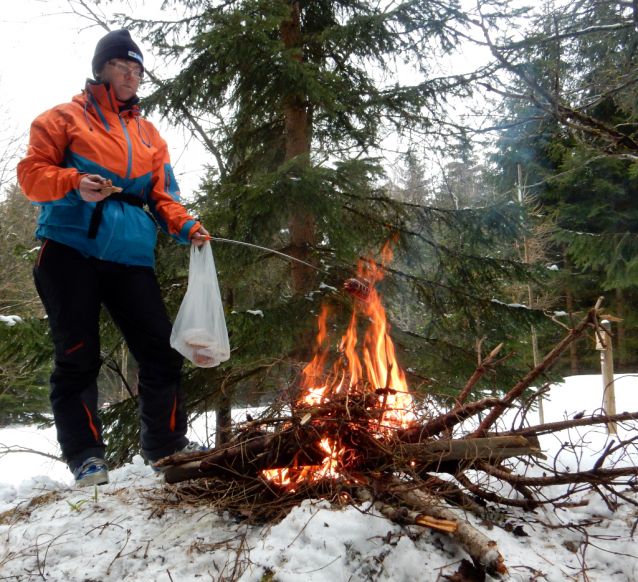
(379, 375)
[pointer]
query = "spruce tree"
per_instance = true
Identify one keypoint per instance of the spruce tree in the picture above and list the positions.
(584, 180)
(304, 94)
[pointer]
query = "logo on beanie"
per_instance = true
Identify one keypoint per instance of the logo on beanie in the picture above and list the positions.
(135, 56)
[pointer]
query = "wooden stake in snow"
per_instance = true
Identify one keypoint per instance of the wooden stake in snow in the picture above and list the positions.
(607, 366)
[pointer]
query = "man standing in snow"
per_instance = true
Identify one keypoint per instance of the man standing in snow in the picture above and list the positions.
(97, 249)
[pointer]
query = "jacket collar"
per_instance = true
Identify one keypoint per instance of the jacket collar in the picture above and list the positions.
(104, 96)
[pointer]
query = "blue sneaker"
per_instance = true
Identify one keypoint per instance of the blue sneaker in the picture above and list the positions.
(92, 472)
(189, 448)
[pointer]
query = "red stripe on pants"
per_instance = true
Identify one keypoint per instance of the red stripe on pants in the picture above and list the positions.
(91, 421)
(173, 415)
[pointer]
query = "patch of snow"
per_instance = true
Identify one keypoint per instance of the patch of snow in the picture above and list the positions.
(560, 313)
(553, 268)
(255, 312)
(38, 484)
(8, 495)
(10, 320)
(324, 286)
(515, 305)
(127, 534)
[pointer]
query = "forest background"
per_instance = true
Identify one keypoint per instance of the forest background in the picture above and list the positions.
(332, 128)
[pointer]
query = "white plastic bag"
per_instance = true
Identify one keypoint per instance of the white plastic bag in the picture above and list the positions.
(199, 332)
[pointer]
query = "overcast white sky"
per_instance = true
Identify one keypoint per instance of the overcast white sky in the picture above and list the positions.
(46, 58)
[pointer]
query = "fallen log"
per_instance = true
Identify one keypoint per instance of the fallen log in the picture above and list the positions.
(296, 447)
(431, 454)
(272, 451)
(403, 515)
(484, 552)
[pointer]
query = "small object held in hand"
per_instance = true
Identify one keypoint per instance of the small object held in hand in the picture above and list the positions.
(109, 189)
(357, 289)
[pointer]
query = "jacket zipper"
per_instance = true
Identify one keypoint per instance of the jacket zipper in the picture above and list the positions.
(130, 148)
(116, 207)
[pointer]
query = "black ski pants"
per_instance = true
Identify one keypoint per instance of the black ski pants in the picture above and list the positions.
(73, 288)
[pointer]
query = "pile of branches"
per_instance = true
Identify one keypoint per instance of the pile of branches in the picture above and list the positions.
(411, 475)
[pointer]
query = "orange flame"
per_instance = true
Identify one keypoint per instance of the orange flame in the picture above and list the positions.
(382, 374)
(314, 370)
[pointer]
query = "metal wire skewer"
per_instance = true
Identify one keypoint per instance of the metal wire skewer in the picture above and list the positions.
(352, 287)
(236, 242)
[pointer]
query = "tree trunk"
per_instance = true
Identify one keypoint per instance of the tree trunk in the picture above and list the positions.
(301, 222)
(620, 332)
(223, 419)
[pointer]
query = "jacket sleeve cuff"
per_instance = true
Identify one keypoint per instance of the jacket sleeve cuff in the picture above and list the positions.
(193, 230)
(77, 180)
(189, 228)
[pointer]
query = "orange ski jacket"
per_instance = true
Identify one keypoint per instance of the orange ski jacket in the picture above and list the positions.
(91, 135)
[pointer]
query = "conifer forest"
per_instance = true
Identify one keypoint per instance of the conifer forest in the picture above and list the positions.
(496, 201)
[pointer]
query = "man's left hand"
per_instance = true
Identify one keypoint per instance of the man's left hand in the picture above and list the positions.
(199, 236)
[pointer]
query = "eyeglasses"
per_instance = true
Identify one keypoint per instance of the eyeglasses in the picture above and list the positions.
(137, 73)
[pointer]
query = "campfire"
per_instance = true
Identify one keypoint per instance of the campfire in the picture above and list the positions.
(356, 434)
(372, 396)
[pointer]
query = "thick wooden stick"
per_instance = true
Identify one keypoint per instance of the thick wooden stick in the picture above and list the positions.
(468, 449)
(483, 550)
(549, 359)
(593, 476)
(551, 427)
(274, 451)
(403, 515)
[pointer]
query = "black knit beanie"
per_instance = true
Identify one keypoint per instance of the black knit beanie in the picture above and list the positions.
(117, 44)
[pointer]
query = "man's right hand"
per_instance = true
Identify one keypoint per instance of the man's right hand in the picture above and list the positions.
(91, 188)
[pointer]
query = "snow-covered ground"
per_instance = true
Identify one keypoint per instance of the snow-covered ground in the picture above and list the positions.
(121, 532)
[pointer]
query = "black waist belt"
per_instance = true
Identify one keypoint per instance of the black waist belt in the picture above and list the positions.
(96, 217)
